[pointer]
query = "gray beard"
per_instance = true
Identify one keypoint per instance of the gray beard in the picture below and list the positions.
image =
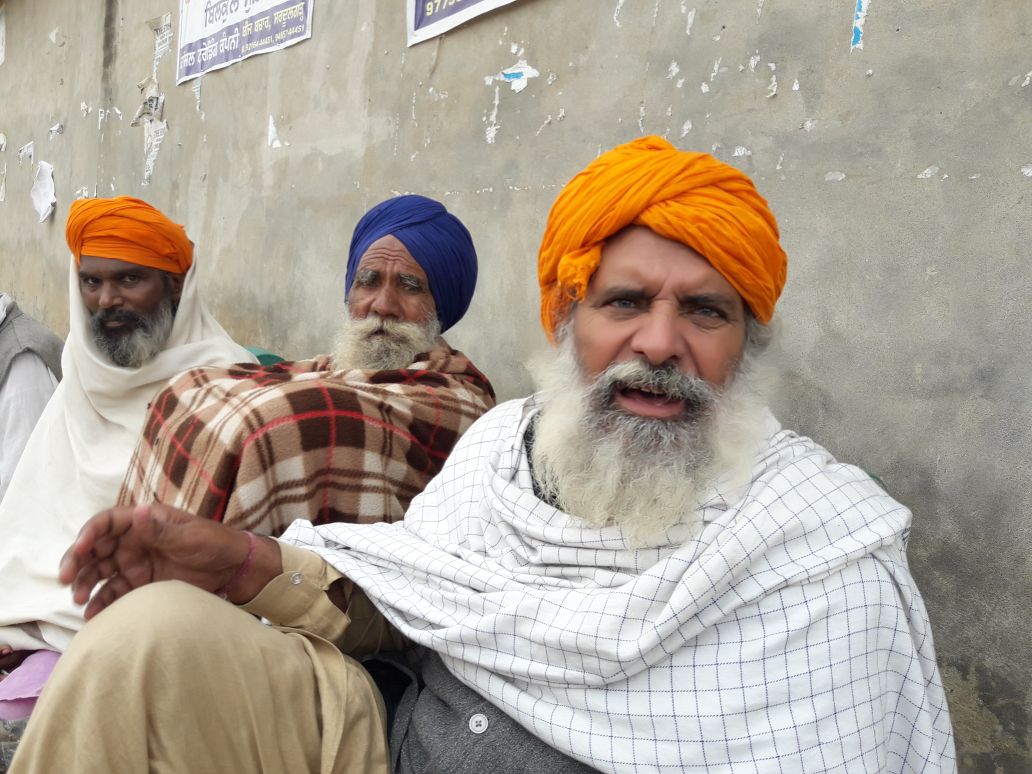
(141, 345)
(380, 344)
(647, 476)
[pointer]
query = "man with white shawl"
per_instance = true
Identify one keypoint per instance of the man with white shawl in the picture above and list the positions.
(636, 569)
(136, 320)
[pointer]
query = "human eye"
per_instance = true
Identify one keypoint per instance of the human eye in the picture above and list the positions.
(89, 282)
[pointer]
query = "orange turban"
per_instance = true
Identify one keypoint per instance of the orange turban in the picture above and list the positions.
(688, 197)
(127, 229)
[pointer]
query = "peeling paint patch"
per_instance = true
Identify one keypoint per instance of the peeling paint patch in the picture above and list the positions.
(928, 173)
(85, 109)
(704, 87)
(491, 132)
(809, 124)
(795, 85)
(691, 21)
(516, 76)
(3, 142)
(641, 117)
(772, 87)
(753, 61)
(759, 9)
(781, 162)
(274, 138)
(686, 127)
(1027, 170)
(835, 177)
(616, 12)
(55, 130)
(27, 151)
(3, 183)
(741, 151)
(673, 70)
(859, 19)
(716, 69)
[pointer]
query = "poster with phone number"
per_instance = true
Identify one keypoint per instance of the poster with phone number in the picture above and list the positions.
(429, 18)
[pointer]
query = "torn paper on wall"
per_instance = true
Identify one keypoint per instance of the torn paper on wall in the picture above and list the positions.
(153, 134)
(161, 26)
(27, 151)
(3, 183)
(516, 76)
(42, 193)
(150, 115)
(859, 19)
(55, 130)
(153, 105)
(3, 142)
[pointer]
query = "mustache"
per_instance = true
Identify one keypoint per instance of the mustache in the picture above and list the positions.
(697, 394)
(104, 316)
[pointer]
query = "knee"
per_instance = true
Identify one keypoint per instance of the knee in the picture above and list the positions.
(156, 616)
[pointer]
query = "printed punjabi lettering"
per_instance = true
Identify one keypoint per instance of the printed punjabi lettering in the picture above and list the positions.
(246, 27)
(215, 11)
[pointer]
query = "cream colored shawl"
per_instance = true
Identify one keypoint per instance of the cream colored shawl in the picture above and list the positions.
(76, 458)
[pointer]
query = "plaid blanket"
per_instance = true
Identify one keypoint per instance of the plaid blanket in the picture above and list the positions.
(260, 446)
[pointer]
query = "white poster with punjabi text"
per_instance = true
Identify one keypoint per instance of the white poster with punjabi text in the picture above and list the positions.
(217, 33)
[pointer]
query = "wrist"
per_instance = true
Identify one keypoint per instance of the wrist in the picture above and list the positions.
(261, 565)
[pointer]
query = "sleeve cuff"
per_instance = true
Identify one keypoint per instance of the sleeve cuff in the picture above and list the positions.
(297, 598)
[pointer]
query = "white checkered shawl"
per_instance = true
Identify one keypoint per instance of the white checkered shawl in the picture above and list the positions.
(788, 636)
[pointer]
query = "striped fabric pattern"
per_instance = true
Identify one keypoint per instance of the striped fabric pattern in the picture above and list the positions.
(257, 447)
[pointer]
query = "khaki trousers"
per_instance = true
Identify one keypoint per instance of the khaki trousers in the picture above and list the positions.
(173, 679)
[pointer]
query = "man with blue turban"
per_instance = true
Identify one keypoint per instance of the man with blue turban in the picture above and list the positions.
(348, 437)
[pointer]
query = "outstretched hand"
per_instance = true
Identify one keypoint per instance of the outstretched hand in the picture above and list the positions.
(126, 547)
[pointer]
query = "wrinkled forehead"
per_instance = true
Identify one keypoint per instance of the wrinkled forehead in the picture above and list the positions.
(389, 255)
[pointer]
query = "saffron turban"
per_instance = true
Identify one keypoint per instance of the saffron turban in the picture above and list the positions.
(127, 229)
(438, 242)
(687, 197)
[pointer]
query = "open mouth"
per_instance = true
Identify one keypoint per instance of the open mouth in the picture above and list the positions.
(648, 403)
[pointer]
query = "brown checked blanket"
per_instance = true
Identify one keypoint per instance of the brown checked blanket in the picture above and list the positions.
(260, 446)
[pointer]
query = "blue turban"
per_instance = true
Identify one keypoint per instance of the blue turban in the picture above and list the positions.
(438, 242)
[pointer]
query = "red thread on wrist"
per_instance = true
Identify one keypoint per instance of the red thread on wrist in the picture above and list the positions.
(223, 592)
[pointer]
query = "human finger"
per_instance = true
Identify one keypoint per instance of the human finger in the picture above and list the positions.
(89, 576)
(115, 588)
(99, 536)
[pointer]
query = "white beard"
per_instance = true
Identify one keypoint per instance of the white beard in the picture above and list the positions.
(379, 344)
(609, 467)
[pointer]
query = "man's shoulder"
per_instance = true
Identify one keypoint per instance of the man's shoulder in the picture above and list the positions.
(797, 476)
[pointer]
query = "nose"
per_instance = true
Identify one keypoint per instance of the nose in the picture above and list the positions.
(386, 303)
(659, 340)
(109, 296)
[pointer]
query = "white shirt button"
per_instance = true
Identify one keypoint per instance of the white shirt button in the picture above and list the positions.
(296, 578)
(478, 723)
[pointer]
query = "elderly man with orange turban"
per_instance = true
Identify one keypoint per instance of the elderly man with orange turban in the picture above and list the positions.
(634, 570)
(136, 320)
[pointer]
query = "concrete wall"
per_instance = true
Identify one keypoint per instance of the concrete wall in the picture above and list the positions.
(901, 173)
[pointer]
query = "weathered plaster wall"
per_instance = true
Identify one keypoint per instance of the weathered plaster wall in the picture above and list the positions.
(901, 173)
